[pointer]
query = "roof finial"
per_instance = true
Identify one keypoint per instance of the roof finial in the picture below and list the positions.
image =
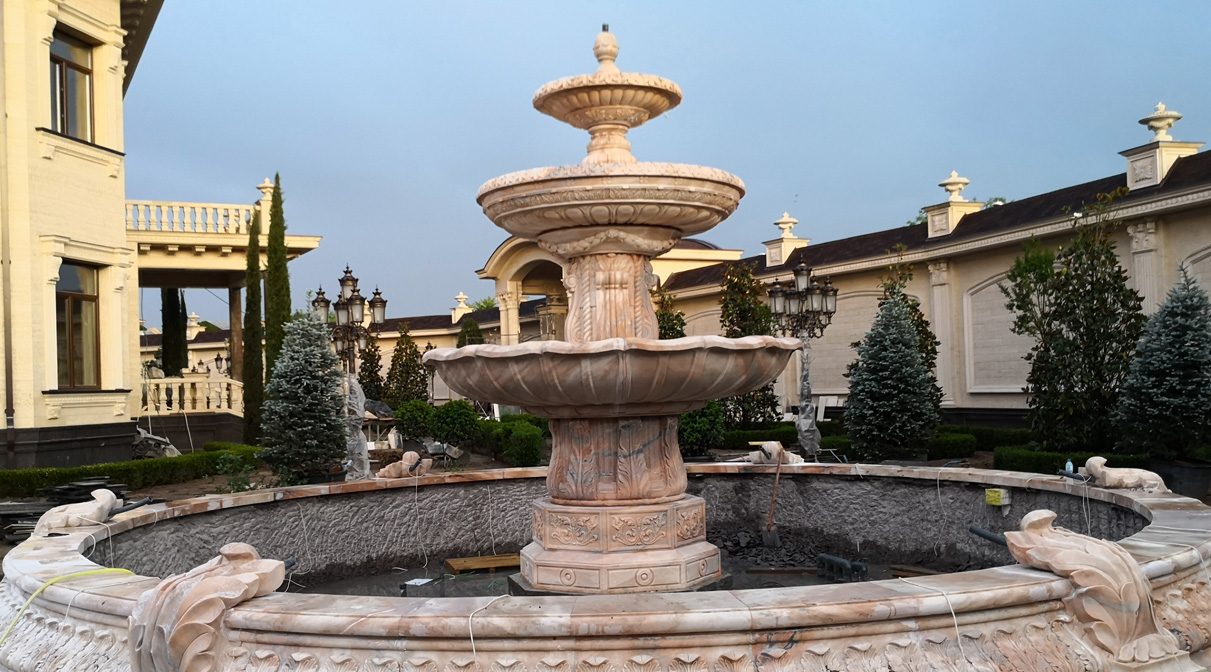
(953, 185)
(1160, 121)
(606, 50)
(786, 224)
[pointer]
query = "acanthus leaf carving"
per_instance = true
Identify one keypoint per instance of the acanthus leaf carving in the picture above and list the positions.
(640, 530)
(179, 623)
(1113, 598)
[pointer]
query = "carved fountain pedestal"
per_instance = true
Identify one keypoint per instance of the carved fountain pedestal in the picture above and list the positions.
(617, 519)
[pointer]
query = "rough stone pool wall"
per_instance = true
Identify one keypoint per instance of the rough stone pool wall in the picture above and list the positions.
(877, 519)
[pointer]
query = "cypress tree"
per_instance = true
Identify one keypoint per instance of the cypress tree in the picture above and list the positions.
(406, 379)
(370, 372)
(1167, 394)
(743, 313)
(174, 348)
(254, 362)
(277, 281)
(890, 411)
(304, 424)
(469, 333)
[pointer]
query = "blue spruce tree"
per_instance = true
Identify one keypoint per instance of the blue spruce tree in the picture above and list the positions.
(890, 411)
(1166, 399)
(303, 426)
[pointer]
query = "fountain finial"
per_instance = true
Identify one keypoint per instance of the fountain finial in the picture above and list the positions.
(606, 50)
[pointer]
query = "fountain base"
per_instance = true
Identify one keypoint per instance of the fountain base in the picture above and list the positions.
(620, 549)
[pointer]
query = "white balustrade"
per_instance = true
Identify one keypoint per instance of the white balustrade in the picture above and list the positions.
(172, 396)
(188, 217)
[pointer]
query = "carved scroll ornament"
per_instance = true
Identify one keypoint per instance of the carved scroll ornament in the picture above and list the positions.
(178, 625)
(1112, 600)
(80, 514)
(1109, 477)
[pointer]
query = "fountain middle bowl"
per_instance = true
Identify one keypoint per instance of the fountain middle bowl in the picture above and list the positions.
(555, 202)
(615, 377)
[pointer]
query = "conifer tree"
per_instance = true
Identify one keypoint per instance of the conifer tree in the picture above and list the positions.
(277, 281)
(890, 411)
(469, 333)
(1086, 321)
(743, 313)
(669, 321)
(174, 348)
(1167, 394)
(406, 379)
(304, 421)
(370, 371)
(898, 276)
(254, 360)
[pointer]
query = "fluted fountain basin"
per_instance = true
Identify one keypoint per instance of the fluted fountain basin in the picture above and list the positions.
(621, 97)
(666, 200)
(613, 377)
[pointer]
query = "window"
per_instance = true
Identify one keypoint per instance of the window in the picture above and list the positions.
(71, 87)
(76, 327)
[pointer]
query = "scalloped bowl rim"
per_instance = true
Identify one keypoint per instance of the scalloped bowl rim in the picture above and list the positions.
(639, 169)
(611, 345)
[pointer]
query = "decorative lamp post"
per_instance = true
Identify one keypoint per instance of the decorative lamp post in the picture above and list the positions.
(803, 309)
(350, 335)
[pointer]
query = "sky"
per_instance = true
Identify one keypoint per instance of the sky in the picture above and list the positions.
(384, 117)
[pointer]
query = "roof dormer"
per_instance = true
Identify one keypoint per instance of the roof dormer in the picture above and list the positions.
(778, 250)
(944, 217)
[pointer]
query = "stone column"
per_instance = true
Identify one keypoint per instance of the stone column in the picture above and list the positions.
(1145, 266)
(235, 315)
(941, 318)
(509, 300)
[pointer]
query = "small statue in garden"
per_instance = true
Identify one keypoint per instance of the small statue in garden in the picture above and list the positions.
(80, 514)
(357, 454)
(1109, 477)
(410, 465)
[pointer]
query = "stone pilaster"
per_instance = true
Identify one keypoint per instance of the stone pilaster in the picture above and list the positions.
(941, 318)
(1145, 264)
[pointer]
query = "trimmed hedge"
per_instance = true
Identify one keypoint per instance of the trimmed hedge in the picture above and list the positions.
(988, 438)
(136, 474)
(948, 446)
(841, 445)
(831, 428)
(738, 439)
(1023, 458)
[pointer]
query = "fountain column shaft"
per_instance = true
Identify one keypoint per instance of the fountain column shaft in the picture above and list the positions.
(615, 461)
(610, 297)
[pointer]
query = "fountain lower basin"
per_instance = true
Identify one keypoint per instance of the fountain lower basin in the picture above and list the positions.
(615, 377)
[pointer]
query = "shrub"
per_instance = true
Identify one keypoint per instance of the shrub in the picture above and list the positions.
(541, 423)
(136, 474)
(831, 428)
(522, 444)
(947, 446)
(413, 419)
(738, 439)
(701, 431)
(1025, 458)
(455, 422)
(212, 446)
(988, 438)
(841, 445)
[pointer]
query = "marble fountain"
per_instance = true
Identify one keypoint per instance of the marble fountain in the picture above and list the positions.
(617, 562)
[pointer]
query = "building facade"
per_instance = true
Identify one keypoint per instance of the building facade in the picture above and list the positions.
(75, 251)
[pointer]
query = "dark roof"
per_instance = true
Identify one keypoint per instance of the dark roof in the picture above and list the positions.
(1187, 172)
(485, 316)
(156, 340)
(694, 244)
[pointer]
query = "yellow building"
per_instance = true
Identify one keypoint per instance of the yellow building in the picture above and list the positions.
(74, 251)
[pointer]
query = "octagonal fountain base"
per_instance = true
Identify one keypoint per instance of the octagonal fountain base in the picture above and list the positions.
(620, 549)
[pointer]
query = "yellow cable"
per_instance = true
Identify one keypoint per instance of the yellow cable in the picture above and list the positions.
(91, 572)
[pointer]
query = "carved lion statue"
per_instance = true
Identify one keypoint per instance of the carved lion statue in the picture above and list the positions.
(405, 467)
(79, 514)
(1108, 477)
